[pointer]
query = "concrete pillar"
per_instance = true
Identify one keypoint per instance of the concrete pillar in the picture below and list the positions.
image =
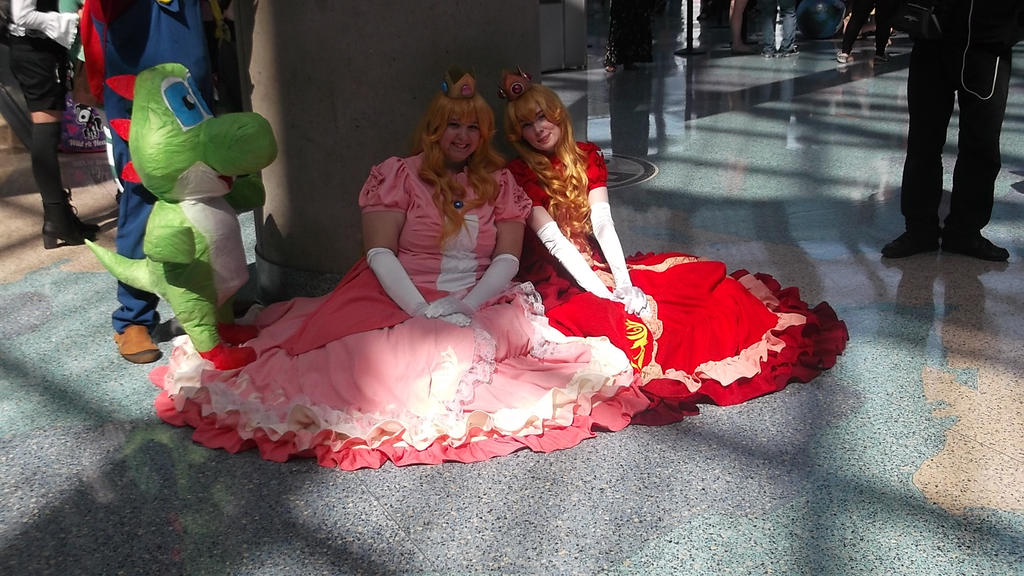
(344, 83)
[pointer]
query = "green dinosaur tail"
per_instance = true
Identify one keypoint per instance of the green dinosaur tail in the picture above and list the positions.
(131, 271)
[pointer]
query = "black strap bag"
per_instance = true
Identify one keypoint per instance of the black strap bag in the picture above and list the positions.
(918, 19)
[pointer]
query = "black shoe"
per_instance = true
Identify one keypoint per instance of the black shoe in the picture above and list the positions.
(59, 228)
(88, 231)
(909, 244)
(975, 245)
(881, 57)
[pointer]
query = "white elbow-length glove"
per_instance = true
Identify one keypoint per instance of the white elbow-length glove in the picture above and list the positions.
(395, 281)
(397, 284)
(564, 251)
(631, 297)
(451, 310)
(494, 281)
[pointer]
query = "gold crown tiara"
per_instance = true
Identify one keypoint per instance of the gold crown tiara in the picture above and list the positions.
(513, 84)
(459, 83)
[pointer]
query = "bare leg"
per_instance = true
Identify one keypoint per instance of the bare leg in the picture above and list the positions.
(736, 28)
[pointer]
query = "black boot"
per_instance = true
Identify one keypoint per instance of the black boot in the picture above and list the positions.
(89, 231)
(59, 225)
(59, 221)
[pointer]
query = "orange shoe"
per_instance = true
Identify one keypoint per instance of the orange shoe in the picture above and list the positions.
(136, 346)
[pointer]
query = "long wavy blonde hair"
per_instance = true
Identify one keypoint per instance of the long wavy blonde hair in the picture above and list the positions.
(565, 185)
(480, 166)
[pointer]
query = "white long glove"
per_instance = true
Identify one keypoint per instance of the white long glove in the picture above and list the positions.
(563, 250)
(450, 309)
(494, 281)
(395, 281)
(632, 297)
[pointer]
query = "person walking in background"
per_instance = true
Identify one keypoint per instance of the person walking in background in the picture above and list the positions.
(41, 36)
(629, 33)
(969, 65)
(858, 16)
(786, 9)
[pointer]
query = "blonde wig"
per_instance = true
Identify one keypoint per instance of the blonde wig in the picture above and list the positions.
(480, 166)
(565, 185)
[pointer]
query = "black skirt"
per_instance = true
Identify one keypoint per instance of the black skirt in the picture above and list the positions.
(42, 69)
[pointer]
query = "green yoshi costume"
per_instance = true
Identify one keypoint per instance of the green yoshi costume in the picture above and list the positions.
(201, 169)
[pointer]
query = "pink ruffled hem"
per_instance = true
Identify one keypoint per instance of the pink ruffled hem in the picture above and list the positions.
(335, 451)
(799, 352)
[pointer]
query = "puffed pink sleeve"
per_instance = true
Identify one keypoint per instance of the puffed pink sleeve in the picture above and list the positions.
(512, 202)
(385, 188)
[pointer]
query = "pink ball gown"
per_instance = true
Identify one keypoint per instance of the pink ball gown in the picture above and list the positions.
(352, 380)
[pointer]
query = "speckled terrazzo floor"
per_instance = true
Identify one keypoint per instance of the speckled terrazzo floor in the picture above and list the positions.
(906, 458)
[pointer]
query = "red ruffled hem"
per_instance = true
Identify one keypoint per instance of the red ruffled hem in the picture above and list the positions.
(809, 349)
(220, 431)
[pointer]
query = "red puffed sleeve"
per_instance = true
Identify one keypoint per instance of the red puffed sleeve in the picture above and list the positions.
(597, 171)
(529, 182)
(385, 188)
(512, 202)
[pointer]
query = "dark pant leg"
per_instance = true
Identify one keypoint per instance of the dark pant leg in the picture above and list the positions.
(984, 79)
(883, 23)
(136, 306)
(769, 15)
(858, 16)
(618, 14)
(930, 103)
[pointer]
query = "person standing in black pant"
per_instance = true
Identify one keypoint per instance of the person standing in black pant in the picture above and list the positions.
(969, 64)
(40, 38)
(629, 33)
(859, 14)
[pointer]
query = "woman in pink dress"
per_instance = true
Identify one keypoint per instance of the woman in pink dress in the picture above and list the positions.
(426, 351)
(693, 333)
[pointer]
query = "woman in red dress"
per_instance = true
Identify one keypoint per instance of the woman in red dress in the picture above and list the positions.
(694, 333)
